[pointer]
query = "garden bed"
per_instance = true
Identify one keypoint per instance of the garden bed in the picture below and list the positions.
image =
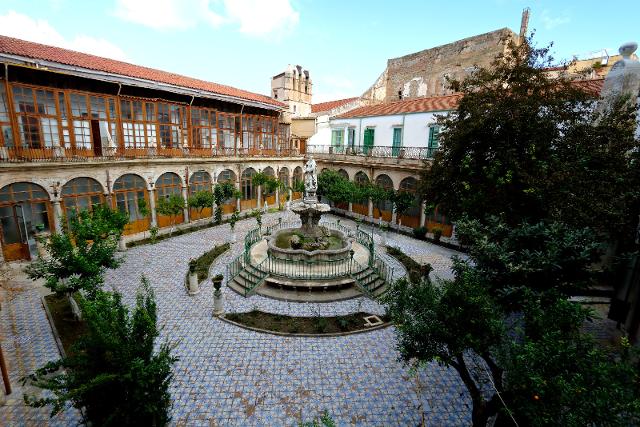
(413, 267)
(303, 325)
(69, 330)
(204, 261)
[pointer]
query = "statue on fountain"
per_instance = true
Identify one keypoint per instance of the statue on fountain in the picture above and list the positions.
(310, 182)
(309, 209)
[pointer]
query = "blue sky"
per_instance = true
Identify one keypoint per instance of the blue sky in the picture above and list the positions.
(344, 44)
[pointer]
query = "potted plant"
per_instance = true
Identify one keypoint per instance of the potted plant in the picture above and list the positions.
(193, 277)
(437, 233)
(217, 281)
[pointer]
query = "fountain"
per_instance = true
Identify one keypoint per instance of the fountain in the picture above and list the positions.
(311, 262)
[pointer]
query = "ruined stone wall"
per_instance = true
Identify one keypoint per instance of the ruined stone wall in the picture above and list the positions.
(423, 73)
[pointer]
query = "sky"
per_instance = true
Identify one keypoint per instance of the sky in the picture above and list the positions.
(343, 43)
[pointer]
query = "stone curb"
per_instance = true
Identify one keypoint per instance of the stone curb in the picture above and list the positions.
(291, 334)
(53, 327)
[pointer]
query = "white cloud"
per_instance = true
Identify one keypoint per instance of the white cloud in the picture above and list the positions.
(551, 22)
(21, 26)
(258, 18)
(333, 87)
(262, 17)
(167, 14)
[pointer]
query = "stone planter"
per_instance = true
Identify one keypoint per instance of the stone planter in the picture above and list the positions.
(218, 308)
(383, 238)
(234, 237)
(122, 246)
(194, 289)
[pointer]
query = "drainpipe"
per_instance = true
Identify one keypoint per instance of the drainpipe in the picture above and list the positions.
(241, 133)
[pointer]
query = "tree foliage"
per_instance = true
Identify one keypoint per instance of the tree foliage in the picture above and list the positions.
(221, 192)
(527, 147)
(113, 373)
(171, 206)
(201, 200)
(77, 258)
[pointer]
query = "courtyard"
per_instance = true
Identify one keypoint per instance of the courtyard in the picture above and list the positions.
(228, 375)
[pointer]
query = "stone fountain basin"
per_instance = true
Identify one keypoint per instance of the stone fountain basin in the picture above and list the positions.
(317, 255)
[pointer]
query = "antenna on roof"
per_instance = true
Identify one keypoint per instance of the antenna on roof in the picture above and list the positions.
(524, 24)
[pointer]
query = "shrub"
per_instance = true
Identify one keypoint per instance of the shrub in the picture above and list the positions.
(415, 270)
(437, 233)
(419, 232)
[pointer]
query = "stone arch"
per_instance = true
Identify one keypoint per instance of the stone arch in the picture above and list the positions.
(249, 191)
(168, 184)
(200, 181)
(81, 193)
(283, 176)
(269, 171)
(343, 173)
(25, 209)
(227, 175)
(132, 198)
(411, 217)
(384, 209)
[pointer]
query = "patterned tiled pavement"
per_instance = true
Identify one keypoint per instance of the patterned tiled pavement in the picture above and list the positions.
(227, 375)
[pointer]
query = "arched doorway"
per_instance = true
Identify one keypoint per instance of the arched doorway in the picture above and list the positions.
(80, 194)
(25, 209)
(361, 206)
(411, 217)
(249, 191)
(200, 181)
(384, 209)
(438, 219)
(131, 196)
(269, 197)
(227, 175)
(343, 205)
(283, 176)
(168, 184)
(297, 177)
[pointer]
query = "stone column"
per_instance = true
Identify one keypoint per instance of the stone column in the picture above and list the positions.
(370, 208)
(277, 197)
(259, 196)
(57, 216)
(423, 215)
(185, 210)
(238, 199)
(394, 215)
(350, 207)
(152, 207)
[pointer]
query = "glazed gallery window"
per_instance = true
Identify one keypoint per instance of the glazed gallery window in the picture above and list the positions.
(6, 135)
(204, 123)
(37, 115)
(131, 192)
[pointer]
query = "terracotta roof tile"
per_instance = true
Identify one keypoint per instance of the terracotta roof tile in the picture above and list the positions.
(330, 105)
(441, 103)
(414, 105)
(12, 46)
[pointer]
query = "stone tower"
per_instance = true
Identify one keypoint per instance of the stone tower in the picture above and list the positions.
(293, 87)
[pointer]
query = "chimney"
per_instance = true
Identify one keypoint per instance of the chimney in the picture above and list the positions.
(524, 24)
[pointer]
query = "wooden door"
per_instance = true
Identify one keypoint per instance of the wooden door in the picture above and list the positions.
(13, 233)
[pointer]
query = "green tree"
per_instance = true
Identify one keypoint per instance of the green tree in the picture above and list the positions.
(402, 202)
(112, 372)
(171, 206)
(201, 200)
(222, 192)
(444, 323)
(540, 257)
(557, 375)
(335, 187)
(76, 259)
(527, 147)
(379, 196)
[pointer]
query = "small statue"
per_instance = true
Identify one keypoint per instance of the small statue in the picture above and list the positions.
(310, 181)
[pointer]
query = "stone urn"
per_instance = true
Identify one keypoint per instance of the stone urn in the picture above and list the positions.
(218, 308)
(193, 278)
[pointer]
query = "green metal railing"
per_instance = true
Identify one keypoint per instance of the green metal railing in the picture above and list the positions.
(384, 270)
(260, 277)
(303, 269)
(235, 267)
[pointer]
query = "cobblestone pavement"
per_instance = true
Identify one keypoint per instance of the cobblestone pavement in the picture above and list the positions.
(227, 375)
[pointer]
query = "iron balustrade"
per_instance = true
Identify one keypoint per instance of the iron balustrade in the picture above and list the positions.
(62, 154)
(415, 153)
(308, 269)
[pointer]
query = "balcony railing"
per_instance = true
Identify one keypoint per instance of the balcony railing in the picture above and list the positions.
(416, 153)
(61, 154)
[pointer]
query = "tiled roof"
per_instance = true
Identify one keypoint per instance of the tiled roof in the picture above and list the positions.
(330, 105)
(441, 103)
(414, 105)
(12, 46)
(591, 86)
